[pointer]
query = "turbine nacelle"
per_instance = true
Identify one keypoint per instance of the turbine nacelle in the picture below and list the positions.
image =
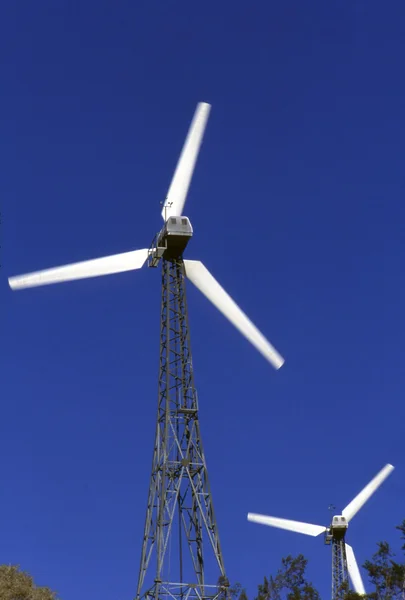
(338, 527)
(173, 238)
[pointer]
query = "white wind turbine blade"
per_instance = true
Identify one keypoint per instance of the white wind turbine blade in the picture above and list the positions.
(117, 263)
(361, 498)
(205, 282)
(354, 572)
(176, 196)
(297, 526)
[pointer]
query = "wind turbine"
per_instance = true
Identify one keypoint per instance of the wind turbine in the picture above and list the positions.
(343, 559)
(179, 486)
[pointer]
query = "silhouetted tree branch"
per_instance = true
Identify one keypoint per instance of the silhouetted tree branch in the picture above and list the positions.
(289, 583)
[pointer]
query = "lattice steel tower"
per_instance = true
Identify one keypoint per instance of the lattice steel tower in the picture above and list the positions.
(180, 510)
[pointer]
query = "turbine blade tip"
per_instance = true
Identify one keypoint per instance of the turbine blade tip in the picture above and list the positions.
(12, 283)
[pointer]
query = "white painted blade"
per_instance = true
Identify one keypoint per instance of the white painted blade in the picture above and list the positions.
(361, 498)
(176, 196)
(117, 263)
(205, 282)
(354, 572)
(297, 526)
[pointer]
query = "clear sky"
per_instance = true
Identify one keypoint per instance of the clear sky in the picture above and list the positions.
(297, 209)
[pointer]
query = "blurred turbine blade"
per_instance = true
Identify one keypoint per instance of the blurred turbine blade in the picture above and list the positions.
(117, 263)
(297, 526)
(176, 196)
(205, 282)
(361, 498)
(354, 572)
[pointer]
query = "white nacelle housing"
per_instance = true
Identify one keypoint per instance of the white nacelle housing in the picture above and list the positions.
(175, 235)
(178, 226)
(338, 526)
(339, 522)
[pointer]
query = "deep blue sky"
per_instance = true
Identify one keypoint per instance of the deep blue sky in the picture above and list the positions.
(297, 208)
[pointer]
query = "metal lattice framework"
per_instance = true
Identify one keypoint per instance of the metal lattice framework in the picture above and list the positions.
(180, 511)
(340, 579)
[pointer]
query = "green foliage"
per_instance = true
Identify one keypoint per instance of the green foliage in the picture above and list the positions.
(289, 583)
(345, 593)
(401, 528)
(350, 595)
(228, 592)
(236, 592)
(18, 585)
(386, 575)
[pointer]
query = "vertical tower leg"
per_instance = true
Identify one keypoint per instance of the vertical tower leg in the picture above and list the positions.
(339, 569)
(181, 553)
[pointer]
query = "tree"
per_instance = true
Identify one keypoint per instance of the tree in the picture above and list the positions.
(18, 585)
(236, 592)
(401, 528)
(290, 582)
(230, 592)
(380, 572)
(386, 574)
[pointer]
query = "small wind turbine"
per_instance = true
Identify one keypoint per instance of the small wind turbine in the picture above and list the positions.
(179, 500)
(343, 559)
